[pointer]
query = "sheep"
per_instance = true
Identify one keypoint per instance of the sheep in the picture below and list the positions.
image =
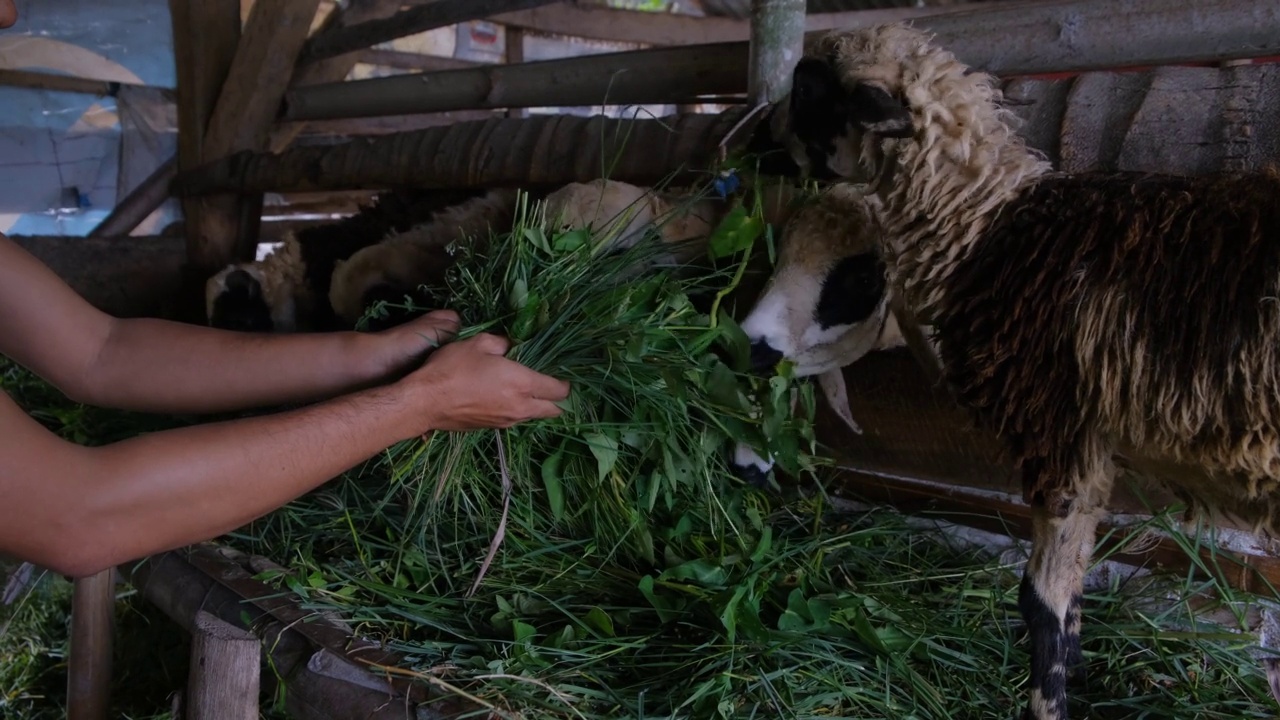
(287, 290)
(827, 255)
(402, 263)
(1079, 317)
(825, 306)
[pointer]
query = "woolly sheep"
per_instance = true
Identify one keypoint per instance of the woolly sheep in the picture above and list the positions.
(401, 263)
(1078, 316)
(827, 254)
(287, 291)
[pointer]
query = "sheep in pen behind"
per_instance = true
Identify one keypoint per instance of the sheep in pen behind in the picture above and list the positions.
(1079, 317)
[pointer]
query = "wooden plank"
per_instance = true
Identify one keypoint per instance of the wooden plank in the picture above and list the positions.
(224, 670)
(1116, 36)
(242, 118)
(93, 605)
(430, 16)
(347, 128)
(321, 664)
(140, 202)
(61, 83)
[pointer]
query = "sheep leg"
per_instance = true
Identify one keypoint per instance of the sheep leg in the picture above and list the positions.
(1050, 600)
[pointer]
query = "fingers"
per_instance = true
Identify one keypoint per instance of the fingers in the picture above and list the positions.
(542, 409)
(491, 344)
(544, 387)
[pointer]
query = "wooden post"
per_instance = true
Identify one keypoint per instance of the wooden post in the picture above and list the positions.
(241, 120)
(513, 38)
(140, 202)
(777, 43)
(92, 639)
(225, 671)
(206, 33)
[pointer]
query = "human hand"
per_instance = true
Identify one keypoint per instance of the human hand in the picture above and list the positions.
(469, 385)
(405, 346)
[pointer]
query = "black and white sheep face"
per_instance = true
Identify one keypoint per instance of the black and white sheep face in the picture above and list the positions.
(831, 127)
(235, 300)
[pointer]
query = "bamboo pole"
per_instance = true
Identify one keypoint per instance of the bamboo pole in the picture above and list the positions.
(60, 83)
(1004, 38)
(92, 642)
(541, 151)
(139, 203)
(777, 43)
(441, 13)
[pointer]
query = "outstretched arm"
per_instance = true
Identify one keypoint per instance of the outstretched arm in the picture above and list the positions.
(161, 366)
(78, 510)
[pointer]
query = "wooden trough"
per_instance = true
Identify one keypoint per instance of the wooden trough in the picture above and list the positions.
(246, 92)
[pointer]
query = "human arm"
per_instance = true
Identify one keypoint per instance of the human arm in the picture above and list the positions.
(168, 367)
(78, 510)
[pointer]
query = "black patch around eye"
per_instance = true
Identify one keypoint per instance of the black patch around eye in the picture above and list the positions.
(851, 291)
(819, 109)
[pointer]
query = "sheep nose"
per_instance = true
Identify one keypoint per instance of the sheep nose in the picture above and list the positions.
(763, 356)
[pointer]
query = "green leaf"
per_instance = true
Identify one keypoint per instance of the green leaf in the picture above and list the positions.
(600, 621)
(571, 241)
(701, 570)
(538, 238)
(605, 449)
(551, 481)
(735, 233)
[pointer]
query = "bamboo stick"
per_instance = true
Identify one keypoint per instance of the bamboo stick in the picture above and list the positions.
(92, 642)
(777, 43)
(224, 671)
(140, 202)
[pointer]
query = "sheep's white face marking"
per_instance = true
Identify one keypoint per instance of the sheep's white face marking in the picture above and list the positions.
(826, 304)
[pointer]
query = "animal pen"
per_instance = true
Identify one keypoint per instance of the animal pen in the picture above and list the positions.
(264, 105)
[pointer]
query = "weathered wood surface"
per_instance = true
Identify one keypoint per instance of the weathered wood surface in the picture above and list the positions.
(137, 276)
(1010, 39)
(326, 671)
(536, 151)
(226, 230)
(412, 61)
(742, 8)
(224, 672)
(93, 606)
(59, 83)
(429, 16)
(1095, 120)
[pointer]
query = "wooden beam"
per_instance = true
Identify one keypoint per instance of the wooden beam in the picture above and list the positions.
(412, 61)
(598, 22)
(334, 69)
(209, 31)
(665, 75)
(1136, 33)
(242, 118)
(777, 43)
(388, 124)
(93, 607)
(543, 150)
(224, 671)
(441, 13)
(321, 664)
(61, 83)
(140, 202)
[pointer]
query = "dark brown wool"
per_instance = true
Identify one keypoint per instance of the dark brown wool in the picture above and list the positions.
(1193, 262)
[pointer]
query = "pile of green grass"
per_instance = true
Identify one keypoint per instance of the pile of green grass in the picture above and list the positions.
(606, 564)
(631, 575)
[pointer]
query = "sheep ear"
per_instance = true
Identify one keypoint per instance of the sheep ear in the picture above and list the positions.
(876, 111)
(833, 389)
